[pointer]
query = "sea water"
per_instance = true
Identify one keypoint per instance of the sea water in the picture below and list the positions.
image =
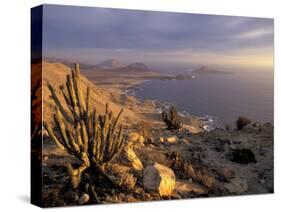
(218, 98)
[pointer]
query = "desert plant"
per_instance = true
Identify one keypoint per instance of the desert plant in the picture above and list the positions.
(95, 140)
(242, 122)
(172, 122)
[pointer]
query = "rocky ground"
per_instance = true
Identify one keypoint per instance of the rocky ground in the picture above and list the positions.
(158, 164)
(161, 164)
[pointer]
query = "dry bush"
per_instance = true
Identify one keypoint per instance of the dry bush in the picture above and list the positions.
(242, 122)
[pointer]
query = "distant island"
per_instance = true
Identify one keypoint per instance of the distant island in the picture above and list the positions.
(207, 70)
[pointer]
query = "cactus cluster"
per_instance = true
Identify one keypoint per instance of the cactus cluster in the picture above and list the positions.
(92, 138)
(171, 120)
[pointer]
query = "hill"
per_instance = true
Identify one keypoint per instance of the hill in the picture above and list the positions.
(111, 64)
(138, 67)
(104, 89)
(208, 70)
(55, 74)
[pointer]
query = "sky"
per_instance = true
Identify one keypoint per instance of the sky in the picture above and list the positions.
(91, 35)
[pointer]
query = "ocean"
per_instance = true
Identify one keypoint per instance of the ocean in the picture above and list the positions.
(219, 98)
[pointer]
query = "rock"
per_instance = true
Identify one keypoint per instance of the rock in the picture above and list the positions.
(257, 125)
(172, 139)
(121, 175)
(130, 158)
(127, 180)
(226, 172)
(133, 137)
(136, 138)
(161, 139)
(159, 178)
(84, 199)
(237, 186)
(200, 175)
(207, 180)
(189, 171)
(184, 188)
(141, 139)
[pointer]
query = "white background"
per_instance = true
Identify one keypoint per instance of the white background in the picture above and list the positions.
(15, 114)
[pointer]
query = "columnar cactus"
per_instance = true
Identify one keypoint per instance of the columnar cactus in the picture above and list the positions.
(93, 139)
(171, 120)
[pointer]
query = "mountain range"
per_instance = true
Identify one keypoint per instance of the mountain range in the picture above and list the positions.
(107, 65)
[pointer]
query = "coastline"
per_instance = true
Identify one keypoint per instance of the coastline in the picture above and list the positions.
(120, 85)
(207, 122)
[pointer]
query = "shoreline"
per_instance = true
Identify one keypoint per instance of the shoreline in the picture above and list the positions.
(210, 121)
(207, 121)
(128, 84)
(149, 109)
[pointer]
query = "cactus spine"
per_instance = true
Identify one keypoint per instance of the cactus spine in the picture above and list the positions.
(93, 139)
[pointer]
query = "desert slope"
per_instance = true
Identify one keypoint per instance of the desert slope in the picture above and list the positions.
(55, 74)
(135, 111)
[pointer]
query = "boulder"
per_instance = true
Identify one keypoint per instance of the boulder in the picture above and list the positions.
(172, 139)
(130, 158)
(133, 137)
(84, 199)
(136, 138)
(159, 178)
(237, 186)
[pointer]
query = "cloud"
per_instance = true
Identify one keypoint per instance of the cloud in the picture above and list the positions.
(149, 35)
(253, 34)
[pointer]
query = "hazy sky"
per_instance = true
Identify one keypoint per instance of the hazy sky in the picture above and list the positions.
(156, 38)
